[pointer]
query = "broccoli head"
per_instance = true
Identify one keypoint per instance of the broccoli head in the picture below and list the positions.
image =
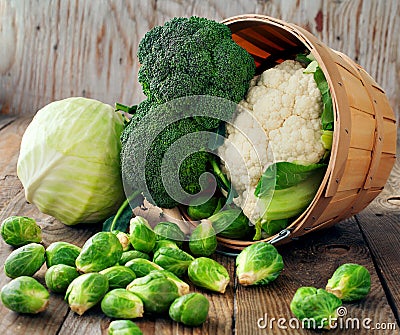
(193, 56)
(186, 57)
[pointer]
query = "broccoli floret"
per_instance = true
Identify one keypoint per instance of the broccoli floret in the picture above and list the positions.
(185, 57)
(193, 56)
(145, 144)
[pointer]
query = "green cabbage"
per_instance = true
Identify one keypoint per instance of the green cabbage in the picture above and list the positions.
(69, 160)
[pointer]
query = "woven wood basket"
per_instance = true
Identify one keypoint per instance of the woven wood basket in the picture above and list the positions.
(364, 141)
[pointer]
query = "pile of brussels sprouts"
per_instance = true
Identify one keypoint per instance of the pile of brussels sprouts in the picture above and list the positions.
(130, 274)
(127, 274)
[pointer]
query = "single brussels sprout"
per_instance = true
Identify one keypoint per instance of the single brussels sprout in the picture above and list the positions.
(315, 307)
(69, 160)
(207, 273)
(169, 231)
(164, 244)
(123, 239)
(203, 241)
(190, 309)
(86, 291)
(157, 293)
(62, 253)
(118, 276)
(258, 264)
(20, 230)
(25, 261)
(200, 209)
(183, 288)
(99, 252)
(173, 260)
(142, 267)
(59, 276)
(25, 295)
(132, 254)
(142, 237)
(232, 223)
(123, 327)
(122, 304)
(350, 282)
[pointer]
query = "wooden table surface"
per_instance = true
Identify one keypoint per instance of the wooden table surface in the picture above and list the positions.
(371, 238)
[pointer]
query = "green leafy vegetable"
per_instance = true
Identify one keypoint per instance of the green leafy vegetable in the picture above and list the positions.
(25, 295)
(350, 282)
(258, 264)
(69, 161)
(285, 190)
(99, 252)
(315, 307)
(20, 230)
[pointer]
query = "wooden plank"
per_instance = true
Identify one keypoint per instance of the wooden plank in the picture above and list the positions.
(311, 262)
(86, 48)
(379, 223)
(49, 321)
(9, 145)
(5, 120)
(219, 321)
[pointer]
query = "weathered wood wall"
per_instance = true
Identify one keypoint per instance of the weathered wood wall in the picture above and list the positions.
(54, 49)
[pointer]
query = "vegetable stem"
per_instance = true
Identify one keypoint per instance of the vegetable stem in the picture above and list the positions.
(121, 209)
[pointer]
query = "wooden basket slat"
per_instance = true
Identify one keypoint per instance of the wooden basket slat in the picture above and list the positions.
(364, 200)
(361, 135)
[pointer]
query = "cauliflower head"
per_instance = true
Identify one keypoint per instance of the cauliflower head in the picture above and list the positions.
(278, 121)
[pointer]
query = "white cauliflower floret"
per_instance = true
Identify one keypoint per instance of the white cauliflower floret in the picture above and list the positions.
(279, 121)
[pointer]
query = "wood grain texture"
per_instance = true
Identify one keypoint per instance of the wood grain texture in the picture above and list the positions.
(311, 261)
(56, 49)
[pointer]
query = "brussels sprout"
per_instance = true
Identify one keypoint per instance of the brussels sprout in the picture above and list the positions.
(156, 292)
(59, 276)
(123, 239)
(86, 291)
(315, 307)
(123, 327)
(190, 309)
(24, 261)
(183, 288)
(99, 252)
(203, 241)
(142, 267)
(120, 303)
(207, 273)
(142, 237)
(118, 276)
(20, 230)
(62, 253)
(25, 295)
(231, 223)
(173, 260)
(132, 254)
(350, 282)
(164, 244)
(258, 264)
(69, 160)
(201, 209)
(169, 231)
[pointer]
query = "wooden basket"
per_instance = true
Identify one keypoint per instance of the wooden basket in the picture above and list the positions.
(364, 141)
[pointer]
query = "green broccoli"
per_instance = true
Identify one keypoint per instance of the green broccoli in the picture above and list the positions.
(193, 56)
(184, 58)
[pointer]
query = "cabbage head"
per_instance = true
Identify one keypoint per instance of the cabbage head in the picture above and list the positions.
(69, 160)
